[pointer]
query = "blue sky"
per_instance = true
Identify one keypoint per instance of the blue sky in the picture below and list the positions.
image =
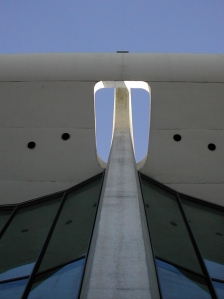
(178, 26)
(29, 26)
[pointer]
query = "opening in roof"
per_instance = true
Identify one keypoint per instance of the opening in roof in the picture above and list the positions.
(104, 109)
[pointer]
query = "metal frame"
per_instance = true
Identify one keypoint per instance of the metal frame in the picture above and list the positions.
(177, 195)
(16, 207)
(42, 252)
(61, 265)
(179, 266)
(91, 235)
(154, 257)
(34, 274)
(197, 250)
(188, 197)
(14, 279)
(14, 211)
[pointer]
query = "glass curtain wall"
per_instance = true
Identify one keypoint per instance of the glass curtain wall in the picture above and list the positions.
(187, 237)
(44, 243)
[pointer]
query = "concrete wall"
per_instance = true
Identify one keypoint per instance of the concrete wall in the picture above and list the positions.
(45, 95)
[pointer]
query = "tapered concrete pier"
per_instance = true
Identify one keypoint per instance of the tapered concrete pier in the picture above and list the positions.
(118, 262)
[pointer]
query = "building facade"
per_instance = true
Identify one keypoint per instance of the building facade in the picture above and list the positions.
(154, 229)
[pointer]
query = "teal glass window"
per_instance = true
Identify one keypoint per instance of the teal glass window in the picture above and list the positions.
(4, 216)
(177, 283)
(44, 246)
(24, 237)
(187, 242)
(62, 282)
(72, 233)
(13, 289)
(169, 234)
(207, 224)
(219, 287)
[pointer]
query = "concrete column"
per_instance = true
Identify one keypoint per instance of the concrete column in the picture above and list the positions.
(118, 260)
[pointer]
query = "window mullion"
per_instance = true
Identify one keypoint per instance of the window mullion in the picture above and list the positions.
(42, 252)
(8, 221)
(197, 250)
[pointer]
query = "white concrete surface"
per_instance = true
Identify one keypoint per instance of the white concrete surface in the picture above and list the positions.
(194, 111)
(45, 95)
(118, 260)
(42, 112)
(151, 67)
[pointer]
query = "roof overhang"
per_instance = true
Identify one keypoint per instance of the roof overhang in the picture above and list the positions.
(45, 95)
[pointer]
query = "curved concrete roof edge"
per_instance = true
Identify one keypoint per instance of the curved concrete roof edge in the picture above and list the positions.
(112, 66)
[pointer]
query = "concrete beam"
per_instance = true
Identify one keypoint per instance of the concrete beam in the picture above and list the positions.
(118, 262)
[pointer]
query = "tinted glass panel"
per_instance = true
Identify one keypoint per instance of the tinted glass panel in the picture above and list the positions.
(17, 271)
(219, 287)
(60, 283)
(4, 216)
(12, 290)
(177, 283)
(73, 230)
(170, 238)
(22, 241)
(208, 228)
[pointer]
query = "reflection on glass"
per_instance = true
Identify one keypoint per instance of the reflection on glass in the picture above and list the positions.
(61, 283)
(4, 216)
(16, 272)
(170, 238)
(12, 290)
(23, 239)
(215, 270)
(219, 287)
(73, 230)
(208, 227)
(177, 283)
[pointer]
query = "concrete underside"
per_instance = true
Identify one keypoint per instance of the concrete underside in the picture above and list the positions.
(42, 112)
(194, 111)
(45, 95)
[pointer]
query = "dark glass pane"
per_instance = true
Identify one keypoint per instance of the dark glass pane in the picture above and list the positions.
(12, 290)
(208, 227)
(73, 230)
(177, 283)
(61, 283)
(170, 238)
(219, 287)
(4, 216)
(23, 240)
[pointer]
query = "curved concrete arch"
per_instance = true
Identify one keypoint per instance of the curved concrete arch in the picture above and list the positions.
(129, 85)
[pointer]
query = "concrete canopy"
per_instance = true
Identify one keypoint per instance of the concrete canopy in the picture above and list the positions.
(43, 96)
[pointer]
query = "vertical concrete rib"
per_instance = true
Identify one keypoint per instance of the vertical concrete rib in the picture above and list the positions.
(117, 265)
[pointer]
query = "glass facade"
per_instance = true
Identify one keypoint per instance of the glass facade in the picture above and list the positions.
(62, 282)
(207, 225)
(187, 237)
(44, 243)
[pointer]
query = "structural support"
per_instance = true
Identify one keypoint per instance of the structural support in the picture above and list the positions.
(118, 264)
